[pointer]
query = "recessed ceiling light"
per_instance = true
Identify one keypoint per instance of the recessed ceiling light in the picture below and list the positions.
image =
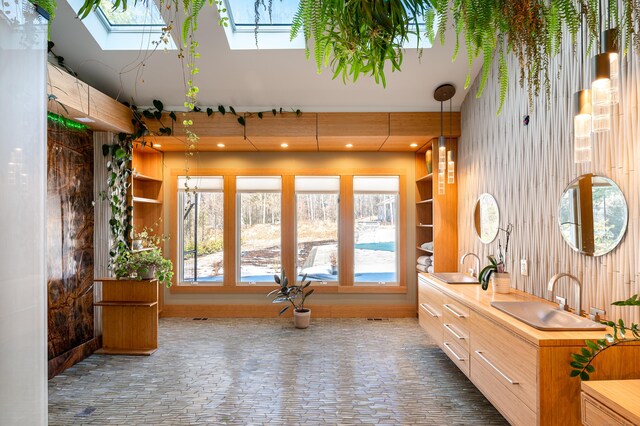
(156, 145)
(84, 119)
(284, 145)
(413, 145)
(220, 145)
(349, 145)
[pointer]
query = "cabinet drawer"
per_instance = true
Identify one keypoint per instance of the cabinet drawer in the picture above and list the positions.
(516, 411)
(453, 331)
(509, 359)
(429, 295)
(431, 322)
(596, 414)
(455, 308)
(458, 354)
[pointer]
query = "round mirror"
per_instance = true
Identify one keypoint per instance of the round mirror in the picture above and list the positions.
(592, 215)
(486, 218)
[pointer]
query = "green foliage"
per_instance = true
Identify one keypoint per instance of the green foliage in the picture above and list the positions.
(141, 264)
(293, 294)
(48, 6)
(582, 362)
(209, 246)
(487, 271)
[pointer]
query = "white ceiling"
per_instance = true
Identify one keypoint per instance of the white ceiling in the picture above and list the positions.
(255, 79)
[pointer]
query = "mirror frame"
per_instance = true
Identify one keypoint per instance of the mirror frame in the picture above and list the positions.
(475, 206)
(626, 219)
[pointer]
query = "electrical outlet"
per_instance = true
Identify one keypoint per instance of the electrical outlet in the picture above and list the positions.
(524, 267)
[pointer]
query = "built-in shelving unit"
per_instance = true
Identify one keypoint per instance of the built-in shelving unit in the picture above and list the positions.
(146, 193)
(436, 214)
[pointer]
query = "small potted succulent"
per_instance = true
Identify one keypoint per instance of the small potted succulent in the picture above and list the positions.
(295, 295)
(495, 270)
(146, 264)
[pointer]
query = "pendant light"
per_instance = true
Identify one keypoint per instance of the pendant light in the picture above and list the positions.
(451, 164)
(582, 116)
(611, 46)
(443, 93)
(601, 92)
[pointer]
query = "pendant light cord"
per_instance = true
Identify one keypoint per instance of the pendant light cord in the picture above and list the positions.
(441, 121)
(450, 120)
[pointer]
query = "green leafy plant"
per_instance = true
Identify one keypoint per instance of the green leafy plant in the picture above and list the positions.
(143, 264)
(293, 294)
(582, 363)
(486, 272)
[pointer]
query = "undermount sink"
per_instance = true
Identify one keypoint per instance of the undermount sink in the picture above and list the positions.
(455, 278)
(545, 317)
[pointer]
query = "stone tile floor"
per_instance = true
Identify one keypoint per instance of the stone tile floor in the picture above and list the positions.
(263, 371)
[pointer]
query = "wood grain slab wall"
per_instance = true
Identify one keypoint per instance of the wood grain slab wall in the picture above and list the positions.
(527, 168)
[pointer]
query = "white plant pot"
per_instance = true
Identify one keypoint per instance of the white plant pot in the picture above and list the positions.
(501, 282)
(301, 319)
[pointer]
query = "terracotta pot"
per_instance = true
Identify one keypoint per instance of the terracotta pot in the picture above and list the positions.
(501, 282)
(301, 318)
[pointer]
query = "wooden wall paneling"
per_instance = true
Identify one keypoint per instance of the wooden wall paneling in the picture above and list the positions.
(147, 161)
(230, 241)
(526, 168)
(268, 133)
(288, 231)
(205, 144)
(271, 311)
(346, 233)
(445, 219)
(154, 125)
(418, 127)
(366, 131)
(401, 244)
(69, 91)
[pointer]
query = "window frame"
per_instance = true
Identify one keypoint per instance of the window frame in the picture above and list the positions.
(345, 285)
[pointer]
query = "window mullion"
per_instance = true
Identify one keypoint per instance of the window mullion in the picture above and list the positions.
(346, 231)
(229, 259)
(288, 243)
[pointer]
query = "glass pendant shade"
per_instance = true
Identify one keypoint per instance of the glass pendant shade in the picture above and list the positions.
(442, 154)
(451, 168)
(441, 179)
(610, 43)
(601, 95)
(582, 126)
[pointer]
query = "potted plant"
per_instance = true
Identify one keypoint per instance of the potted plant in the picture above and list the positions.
(495, 270)
(296, 296)
(146, 264)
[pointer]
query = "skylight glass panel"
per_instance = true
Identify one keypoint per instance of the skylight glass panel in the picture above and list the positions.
(140, 13)
(243, 13)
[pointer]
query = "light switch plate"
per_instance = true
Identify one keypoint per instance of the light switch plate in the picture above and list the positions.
(524, 267)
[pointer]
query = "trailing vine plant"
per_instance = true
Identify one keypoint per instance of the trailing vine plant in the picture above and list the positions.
(582, 363)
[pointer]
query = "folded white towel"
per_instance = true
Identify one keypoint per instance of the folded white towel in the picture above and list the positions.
(430, 269)
(421, 268)
(425, 260)
(427, 246)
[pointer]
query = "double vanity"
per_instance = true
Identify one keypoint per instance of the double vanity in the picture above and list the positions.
(516, 348)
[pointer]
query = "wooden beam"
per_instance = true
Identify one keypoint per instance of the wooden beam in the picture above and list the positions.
(366, 131)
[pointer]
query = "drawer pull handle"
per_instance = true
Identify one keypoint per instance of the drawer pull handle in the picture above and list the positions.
(454, 312)
(424, 306)
(482, 357)
(452, 331)
(448, 346)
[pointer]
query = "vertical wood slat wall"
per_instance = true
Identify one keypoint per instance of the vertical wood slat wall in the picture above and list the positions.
(527, 168)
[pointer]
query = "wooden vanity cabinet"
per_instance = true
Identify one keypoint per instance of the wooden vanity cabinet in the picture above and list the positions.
(523, 372)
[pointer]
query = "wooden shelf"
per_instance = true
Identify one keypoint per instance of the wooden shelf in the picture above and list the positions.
(430, 200)
(142, 249)
(140, 176)
(422, 225)
(424, 249)
(425, 178)
(146, 200)
(128, 304)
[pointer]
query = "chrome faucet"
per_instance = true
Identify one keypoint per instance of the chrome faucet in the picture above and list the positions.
(562, 301)
(477, 270)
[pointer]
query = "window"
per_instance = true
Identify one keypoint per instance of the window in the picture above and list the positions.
(258, 221)
(201, 230)
(137, 14)
(274, 30)
(317, 227)
(375, 208)
(138, 27)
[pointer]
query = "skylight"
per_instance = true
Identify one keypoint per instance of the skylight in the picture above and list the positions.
(273, 31)
(144, 13)
(139, 27)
